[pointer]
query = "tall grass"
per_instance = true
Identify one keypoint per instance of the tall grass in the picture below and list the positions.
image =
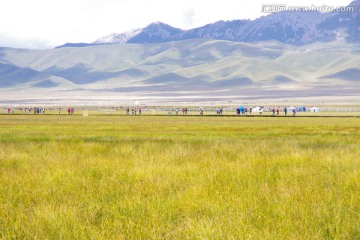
(133, 177)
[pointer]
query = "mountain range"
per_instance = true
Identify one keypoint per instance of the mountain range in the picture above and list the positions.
(279, 56)
(296, 28)
(187, 69)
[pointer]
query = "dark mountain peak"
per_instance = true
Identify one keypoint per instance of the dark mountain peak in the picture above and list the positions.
(155, 33)
(346, 20)
(160, 26)
(355, 3)
(292, 17)
(291, 27)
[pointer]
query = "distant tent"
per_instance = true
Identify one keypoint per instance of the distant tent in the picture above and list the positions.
(314, 109)
(301, 109)
(290, 109)
(257, 109)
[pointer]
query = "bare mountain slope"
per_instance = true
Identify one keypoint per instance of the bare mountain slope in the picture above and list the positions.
(199, 66)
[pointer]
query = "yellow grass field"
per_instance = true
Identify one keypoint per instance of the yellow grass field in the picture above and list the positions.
(166, 177)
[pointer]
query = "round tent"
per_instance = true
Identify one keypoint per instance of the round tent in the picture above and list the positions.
(290, 109)
(314, 109)
(258, 109)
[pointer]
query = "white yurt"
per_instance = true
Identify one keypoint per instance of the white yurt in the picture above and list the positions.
(256, 109)
(314, 109)
(290, 109)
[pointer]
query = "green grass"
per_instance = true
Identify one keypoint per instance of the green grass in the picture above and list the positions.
(152, 177)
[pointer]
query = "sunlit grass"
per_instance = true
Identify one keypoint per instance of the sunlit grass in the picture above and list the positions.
(133, 177)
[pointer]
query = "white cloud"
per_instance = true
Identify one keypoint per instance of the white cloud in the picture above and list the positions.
(47, 23)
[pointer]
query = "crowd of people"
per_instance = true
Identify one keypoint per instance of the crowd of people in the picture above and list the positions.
(134, 111)
(37, 110)
(274, 110)
(28, 110)
(219, 111)
(71, 111)
(242, 110)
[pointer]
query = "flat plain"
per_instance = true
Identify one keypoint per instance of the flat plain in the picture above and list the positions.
(167, 177)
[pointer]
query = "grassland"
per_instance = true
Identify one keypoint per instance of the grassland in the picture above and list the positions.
(152, 177)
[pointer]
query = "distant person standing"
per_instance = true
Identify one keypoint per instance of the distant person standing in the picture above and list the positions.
(273, 111)
(285, 111)
(294, 112)
(277, 111)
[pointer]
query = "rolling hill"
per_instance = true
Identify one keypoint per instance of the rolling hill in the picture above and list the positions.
(199, 68)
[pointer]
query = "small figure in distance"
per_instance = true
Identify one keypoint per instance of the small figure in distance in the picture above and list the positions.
(277, 111)
(294, 112)
(285, 111)
(201, 111)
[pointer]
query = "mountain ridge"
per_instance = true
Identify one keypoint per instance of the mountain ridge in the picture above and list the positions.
(205, 59)
(296, 28)
(186, 69)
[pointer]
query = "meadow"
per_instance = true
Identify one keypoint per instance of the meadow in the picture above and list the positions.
(175, 177)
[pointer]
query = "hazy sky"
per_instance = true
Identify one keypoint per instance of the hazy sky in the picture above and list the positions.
(48, 23)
